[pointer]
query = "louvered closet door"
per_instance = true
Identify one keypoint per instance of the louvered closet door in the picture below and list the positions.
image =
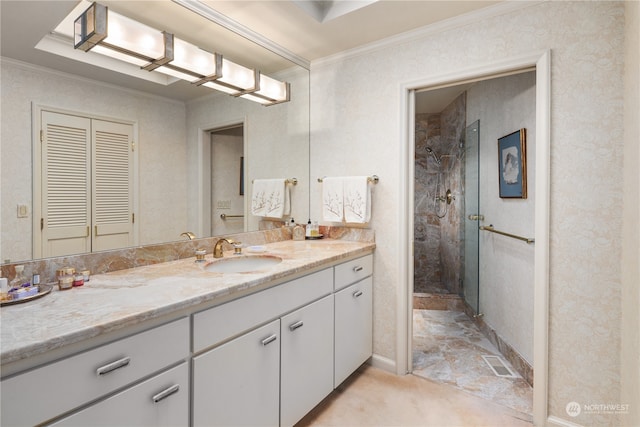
(112, 185)
(65, 184)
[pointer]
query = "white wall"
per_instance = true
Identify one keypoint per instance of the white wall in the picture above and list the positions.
(277, 137)
(161, 213)
(356, 129)
(504, 106)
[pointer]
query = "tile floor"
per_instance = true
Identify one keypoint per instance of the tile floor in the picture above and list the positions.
(448, 349)
(373, 397)
(451, 386)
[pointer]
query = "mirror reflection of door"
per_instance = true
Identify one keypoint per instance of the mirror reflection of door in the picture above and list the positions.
(227, 184)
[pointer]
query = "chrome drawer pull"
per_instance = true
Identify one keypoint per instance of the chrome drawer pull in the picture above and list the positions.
(166, 393)
(295, 326)
(356, 294)
(357, 268)
(104, 370)
(269, 339)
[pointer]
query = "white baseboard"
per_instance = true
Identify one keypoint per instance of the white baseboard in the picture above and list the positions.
(383, 363)
(555, 421)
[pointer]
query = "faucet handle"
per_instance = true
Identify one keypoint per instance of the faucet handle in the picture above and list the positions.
(237, 248)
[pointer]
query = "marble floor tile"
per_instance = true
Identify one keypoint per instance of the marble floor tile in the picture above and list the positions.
(448, 349)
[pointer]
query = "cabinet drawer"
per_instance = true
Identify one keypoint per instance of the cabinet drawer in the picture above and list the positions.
(69, 383)
(353, 271)
(218, 324)
(162, 400)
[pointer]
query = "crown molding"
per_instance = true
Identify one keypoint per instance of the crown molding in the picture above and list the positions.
(502, 8)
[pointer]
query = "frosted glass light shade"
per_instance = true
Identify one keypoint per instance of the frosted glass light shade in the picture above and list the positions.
(190, 62)
(235, 79)
(127, 34)
(271, 91)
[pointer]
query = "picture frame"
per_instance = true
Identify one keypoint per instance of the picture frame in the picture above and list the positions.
(512, 165)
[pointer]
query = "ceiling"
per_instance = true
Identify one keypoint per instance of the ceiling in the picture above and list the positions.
(313, 30)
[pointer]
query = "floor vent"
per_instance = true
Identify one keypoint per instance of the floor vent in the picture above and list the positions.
(499, 367)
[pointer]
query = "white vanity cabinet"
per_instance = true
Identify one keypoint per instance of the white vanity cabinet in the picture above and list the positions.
(275, 373)
(238, 383)
(353, 316)
(160, 401)
(306, 359)
(353, 328)
(47, 392)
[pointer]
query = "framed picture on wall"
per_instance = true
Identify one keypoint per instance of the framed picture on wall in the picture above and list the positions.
(512, 165)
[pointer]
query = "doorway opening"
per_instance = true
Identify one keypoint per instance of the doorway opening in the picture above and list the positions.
(454, 168)
(227, 180)
(538, 216)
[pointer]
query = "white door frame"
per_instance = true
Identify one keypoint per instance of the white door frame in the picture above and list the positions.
(203, 226)
(541, 61)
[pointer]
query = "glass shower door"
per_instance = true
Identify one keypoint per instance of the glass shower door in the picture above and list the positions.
(471, 283)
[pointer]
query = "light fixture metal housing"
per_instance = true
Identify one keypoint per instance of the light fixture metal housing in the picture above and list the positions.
(99, 30)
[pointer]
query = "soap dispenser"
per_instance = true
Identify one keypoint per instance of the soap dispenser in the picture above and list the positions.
(298, 232)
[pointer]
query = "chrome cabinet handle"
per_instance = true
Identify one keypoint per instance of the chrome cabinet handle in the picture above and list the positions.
(295, 326)
(356, 294)
(269, 339)
(166, 393)
(110, 367)
(357, 268)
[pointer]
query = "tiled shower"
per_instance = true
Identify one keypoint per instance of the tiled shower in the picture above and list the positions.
(438, 225)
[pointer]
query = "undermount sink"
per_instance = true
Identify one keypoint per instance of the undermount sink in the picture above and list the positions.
(243, 264)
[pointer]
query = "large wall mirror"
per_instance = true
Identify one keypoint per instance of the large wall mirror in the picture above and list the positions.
(196, 152)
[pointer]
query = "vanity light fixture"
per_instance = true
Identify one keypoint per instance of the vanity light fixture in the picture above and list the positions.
(119, 37)
(108, 33)
(271, 91)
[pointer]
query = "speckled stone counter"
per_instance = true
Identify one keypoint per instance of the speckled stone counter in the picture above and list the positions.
(121, 299)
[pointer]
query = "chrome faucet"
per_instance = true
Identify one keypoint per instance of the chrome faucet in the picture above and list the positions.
(217, 248)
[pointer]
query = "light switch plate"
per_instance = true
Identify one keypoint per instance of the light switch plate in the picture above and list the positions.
(23, 211)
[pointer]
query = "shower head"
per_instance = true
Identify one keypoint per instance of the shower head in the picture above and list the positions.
(434, 155)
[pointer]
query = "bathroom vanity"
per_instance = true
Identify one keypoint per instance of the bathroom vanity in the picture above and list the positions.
(172, 344)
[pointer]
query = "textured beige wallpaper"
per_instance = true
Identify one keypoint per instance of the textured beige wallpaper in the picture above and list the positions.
(356, 129)
(161, 213)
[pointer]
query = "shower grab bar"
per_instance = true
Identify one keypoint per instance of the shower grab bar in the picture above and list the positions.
(513, 236)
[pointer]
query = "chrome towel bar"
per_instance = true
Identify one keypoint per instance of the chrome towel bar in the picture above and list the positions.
(225, 216)
(372, 179)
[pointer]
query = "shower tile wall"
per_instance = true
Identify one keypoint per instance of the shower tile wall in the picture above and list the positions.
(437, 246)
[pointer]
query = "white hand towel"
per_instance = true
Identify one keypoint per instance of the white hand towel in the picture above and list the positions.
(270, 198)
(357, 199)
(332, 199)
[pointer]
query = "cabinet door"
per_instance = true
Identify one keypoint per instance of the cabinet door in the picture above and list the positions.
(307, 359)
(237, 383)
(160, 401)
(353, 328)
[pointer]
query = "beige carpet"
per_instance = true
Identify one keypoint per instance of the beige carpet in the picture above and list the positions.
(373, 397)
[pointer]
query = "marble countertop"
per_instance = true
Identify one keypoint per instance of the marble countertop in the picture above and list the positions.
(119, 299)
